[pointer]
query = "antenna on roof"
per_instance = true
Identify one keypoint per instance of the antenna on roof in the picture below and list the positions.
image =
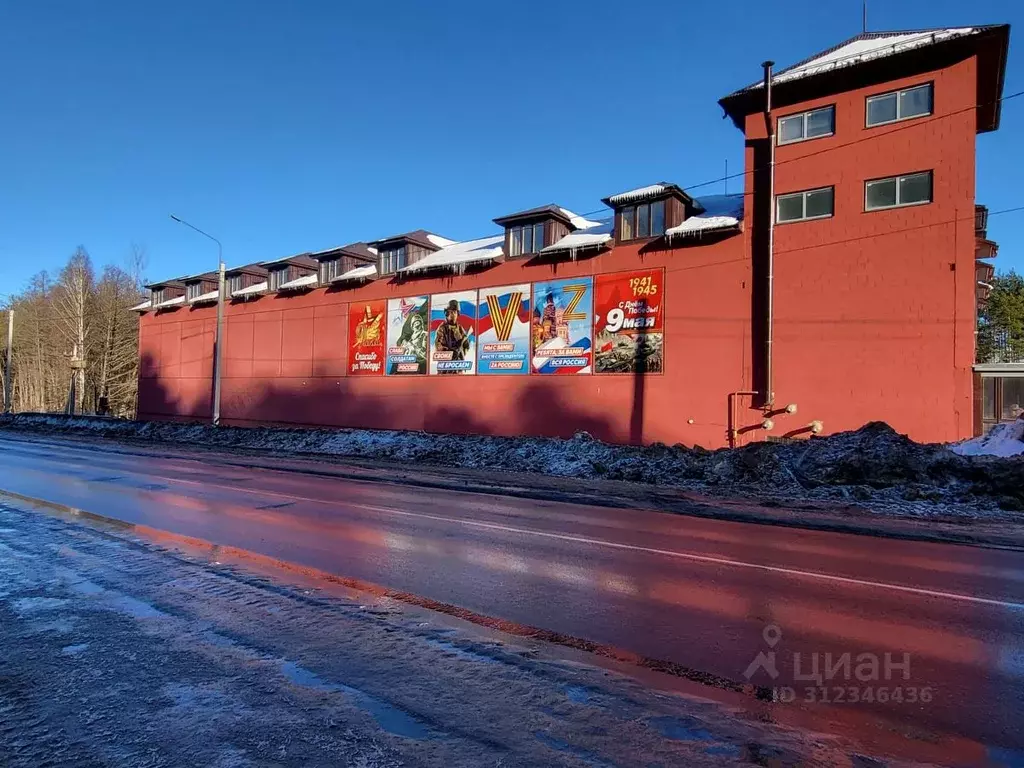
(864, 15)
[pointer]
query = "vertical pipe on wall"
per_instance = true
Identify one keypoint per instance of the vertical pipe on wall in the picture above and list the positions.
(769, 391)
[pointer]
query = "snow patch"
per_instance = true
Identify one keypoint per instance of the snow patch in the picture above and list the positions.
(1002, 440)
(457, 256)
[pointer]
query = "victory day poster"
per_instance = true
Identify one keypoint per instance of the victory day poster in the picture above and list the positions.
(562, 326)
(453, 333)
(503, 329)
(407, 336)
(366, 338)
(629, 322)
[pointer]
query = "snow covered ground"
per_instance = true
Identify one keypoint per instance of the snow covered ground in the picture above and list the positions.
(118, 650)
(1003, 440)
(873, 467)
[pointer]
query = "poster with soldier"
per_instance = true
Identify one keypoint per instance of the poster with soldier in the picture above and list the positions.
(407, 336)
(366, 338)
(453, 333)
(629, 322)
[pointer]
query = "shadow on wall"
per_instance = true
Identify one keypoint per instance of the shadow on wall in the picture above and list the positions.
(535, 408)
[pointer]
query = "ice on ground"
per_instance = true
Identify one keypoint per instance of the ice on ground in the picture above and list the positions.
(1003, 440)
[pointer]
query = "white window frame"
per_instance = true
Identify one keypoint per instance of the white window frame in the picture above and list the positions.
(193, 291)
(277, 277)
(803, 117)
(899, 118)
(898, 179)
(233, 283)
(802, 194)
(330, 269)
(156, 296)
(393, 259)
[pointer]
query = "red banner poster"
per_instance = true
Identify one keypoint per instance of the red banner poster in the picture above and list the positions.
(629, 322)
(366, 333)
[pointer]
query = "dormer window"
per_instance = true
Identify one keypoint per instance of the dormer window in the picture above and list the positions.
(648, 212)
(392, 259)
(646, 220)
(156, 296)
(528, 238)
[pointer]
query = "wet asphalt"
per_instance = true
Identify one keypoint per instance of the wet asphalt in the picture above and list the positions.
(912, 649)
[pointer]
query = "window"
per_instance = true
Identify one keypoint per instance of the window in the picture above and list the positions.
(330, 269)
(899, 105)
(528, 238)
(156, 296)
(1013, 397)
(988, 398)
(640, 221)
(392, 259)
(233, 283)
(914, 189)
(193, 291)
(276, 277)
(802, 206)
(807, 125)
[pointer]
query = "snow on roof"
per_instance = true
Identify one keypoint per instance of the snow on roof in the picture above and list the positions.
(252, 290)
(638, 193)
(591, 237)
(142, 307)
(440, 242)
(866, 47)
(300, 282)
(578, 221)
(458, 255)
(1002, 440)
(176, 301)
(367, 272)
(204, 298)
(720, 212)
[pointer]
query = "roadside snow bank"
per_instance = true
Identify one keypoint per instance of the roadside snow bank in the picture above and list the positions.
(873, 466)
(1003, 440)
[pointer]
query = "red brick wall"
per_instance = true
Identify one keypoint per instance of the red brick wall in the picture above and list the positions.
(875, 311)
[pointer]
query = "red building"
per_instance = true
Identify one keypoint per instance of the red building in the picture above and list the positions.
(679, 318)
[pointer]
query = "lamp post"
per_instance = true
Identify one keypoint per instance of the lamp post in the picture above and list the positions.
(219, 336)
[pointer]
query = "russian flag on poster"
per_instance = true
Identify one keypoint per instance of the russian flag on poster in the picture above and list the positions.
(562, 324)
(503, 330)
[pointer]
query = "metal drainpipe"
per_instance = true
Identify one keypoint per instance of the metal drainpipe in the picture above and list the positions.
(769, 391)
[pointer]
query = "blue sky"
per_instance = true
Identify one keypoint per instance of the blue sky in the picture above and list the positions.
(285, 127)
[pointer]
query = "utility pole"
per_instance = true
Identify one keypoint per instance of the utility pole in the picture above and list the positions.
(219, 335)
(8, 369)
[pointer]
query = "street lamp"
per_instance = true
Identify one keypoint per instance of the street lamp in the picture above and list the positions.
(217, 346)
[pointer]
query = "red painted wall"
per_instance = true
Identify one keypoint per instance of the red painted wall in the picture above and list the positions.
(874, 317)
(286, 358)
(875, 312)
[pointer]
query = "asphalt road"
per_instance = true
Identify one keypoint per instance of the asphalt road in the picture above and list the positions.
(706, 596)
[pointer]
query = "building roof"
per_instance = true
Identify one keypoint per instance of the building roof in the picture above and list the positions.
(300, 259)
(306, 281)
(247, 269)
(458, 256)
(365, 272)
(252, 290)
(649, 192)
(147, 304)
(205, 298)
(595, 236)
(552, 210)
(720, 212)
(200, 277)
(873, 57)
(417, 237)
(359, 250)
(177, 301)
(174, 282)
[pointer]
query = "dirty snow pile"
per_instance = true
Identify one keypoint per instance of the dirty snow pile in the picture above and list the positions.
(1002, 440)
(873, 466)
